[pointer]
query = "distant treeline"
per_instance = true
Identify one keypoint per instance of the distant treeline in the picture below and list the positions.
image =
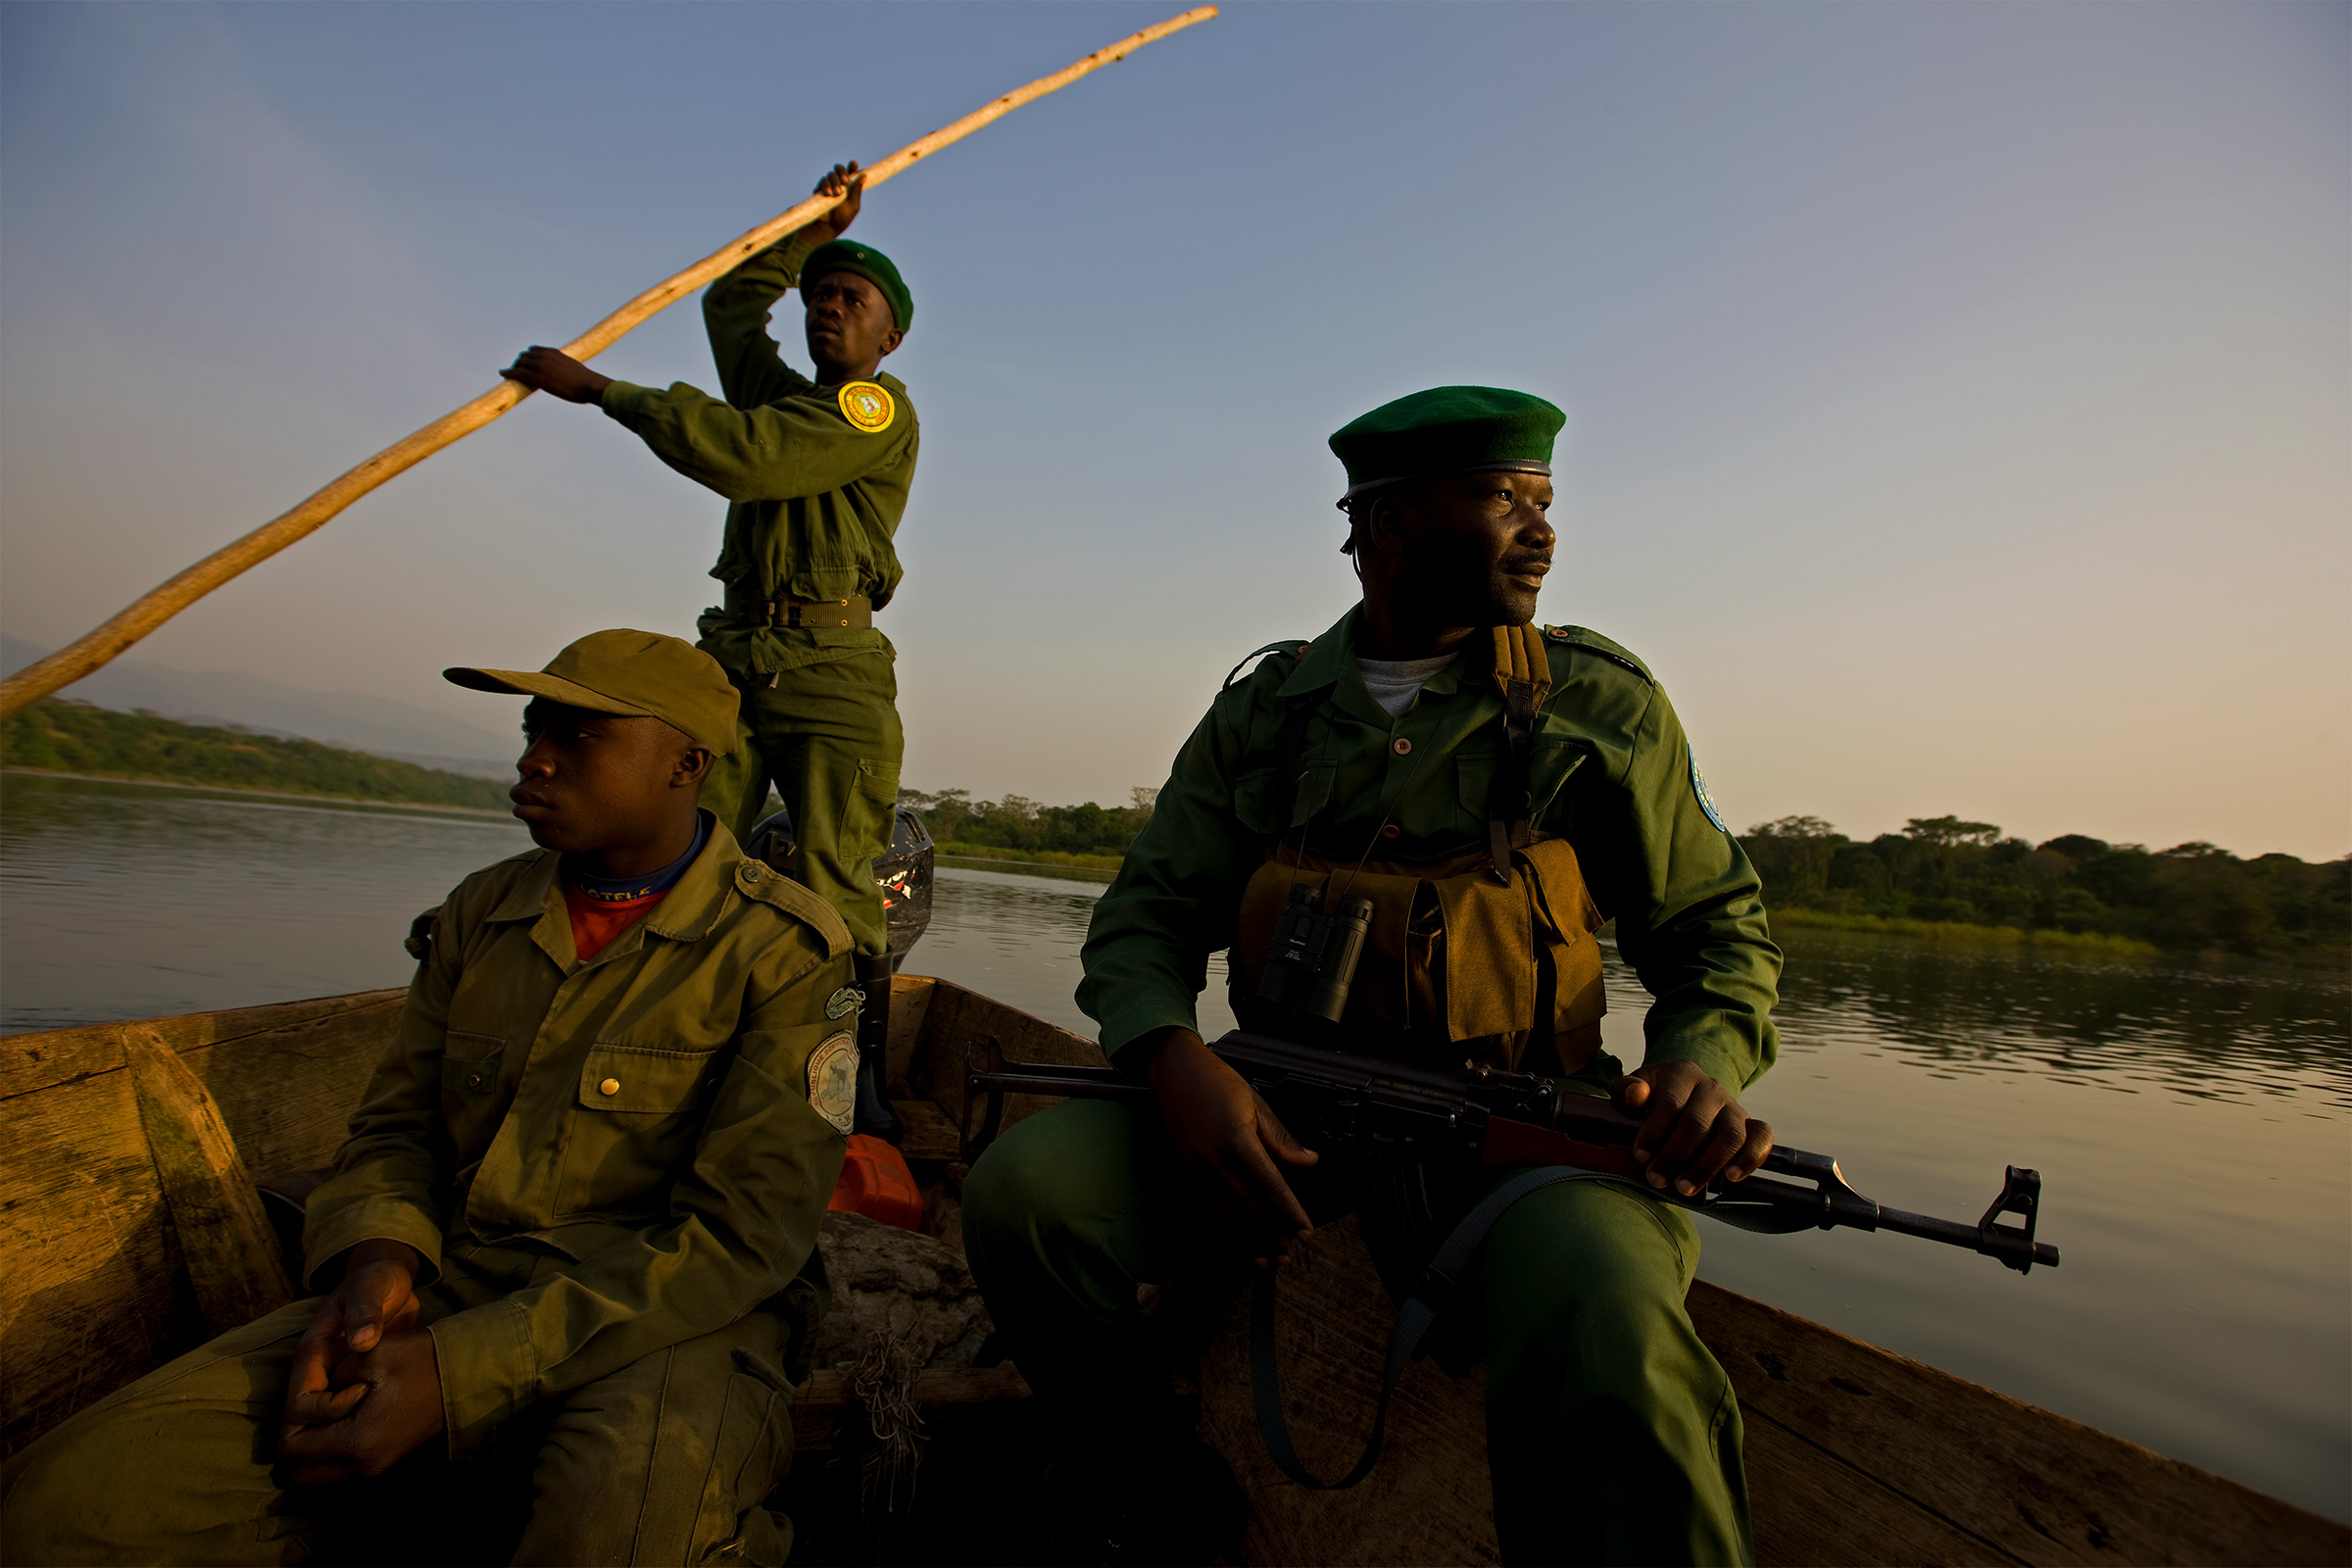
(62, 735)
(1018, 825)
(2190, 897)
(1938, 870)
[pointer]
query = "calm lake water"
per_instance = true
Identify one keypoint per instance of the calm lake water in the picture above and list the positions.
(2193, 1128)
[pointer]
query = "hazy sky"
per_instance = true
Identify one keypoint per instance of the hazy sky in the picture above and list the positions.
(1958, 394)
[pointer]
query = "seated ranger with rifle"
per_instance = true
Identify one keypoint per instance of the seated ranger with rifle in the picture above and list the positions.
(569, 1244)
(1461, 800)
(815, 473)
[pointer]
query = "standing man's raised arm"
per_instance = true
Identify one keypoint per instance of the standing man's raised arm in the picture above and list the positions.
(735, 308)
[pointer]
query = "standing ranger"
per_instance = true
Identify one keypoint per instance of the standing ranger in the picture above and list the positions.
(1493, 791)
(816, 474)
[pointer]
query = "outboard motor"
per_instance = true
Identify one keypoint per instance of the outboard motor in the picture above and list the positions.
(904, 873)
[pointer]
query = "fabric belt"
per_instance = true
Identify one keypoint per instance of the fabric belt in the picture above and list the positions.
(746, 607)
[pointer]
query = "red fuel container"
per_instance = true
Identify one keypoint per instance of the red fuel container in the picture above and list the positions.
(876, 1183)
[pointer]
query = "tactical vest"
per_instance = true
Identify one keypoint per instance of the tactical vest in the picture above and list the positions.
(1483, 960)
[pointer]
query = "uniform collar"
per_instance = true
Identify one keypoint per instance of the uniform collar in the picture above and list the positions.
(701, 895)
(1330, 662)
(687, 913)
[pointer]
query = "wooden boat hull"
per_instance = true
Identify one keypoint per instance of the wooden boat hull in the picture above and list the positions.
(1854, 1455)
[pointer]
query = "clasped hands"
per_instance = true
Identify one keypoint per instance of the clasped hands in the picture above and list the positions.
(365, 1391)
(1234, 1148)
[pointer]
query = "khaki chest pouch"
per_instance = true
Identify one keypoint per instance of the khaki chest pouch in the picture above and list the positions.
(1458, 965)
(1465, 961)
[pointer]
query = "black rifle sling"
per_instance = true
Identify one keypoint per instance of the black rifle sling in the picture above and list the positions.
(1414, 1320)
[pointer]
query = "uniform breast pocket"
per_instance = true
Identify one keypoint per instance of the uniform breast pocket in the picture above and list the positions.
(639, 1117)
(1473, 778)
(469, 1095)
(1548, 766)
(1258, 798)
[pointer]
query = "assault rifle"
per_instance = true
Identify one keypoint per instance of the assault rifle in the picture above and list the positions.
(1334, 1100)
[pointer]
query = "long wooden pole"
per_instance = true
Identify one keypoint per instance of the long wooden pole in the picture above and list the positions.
(96, 649)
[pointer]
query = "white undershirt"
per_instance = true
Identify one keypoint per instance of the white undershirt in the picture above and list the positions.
(1396, 682)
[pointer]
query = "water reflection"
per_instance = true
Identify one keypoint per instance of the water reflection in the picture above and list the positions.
(133, 901)
(2117, 1024)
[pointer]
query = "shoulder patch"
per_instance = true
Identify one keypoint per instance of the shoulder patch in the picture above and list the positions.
(1588, 641)
(1289, 645)
(833, 1080)
(866, 406)
(1706, 802)
(756, 879)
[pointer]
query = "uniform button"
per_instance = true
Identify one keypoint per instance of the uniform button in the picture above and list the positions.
(1390, 830)
(1404, 745)
(610, 1086)
(750, 873)
(473, 1080)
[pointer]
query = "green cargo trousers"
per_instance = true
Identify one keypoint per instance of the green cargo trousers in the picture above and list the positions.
(1612, 1435)
(828, 737)
(666, 1461)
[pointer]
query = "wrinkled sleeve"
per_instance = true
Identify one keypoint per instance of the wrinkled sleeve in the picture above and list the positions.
(735, 313)
(395, 1165)
(742, 1222)
(1175, 898)
(1688, 907)
(776, 452)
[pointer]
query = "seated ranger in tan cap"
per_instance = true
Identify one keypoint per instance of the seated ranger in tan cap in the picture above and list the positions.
(572, 1236)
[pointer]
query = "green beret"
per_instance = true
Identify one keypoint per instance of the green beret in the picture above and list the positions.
(1448, 429)
(848, 256)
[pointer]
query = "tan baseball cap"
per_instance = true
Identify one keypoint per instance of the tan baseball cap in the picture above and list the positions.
(643, 673)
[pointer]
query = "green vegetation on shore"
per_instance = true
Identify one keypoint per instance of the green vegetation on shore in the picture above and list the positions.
(1017, 828)
(990, 851)
(1940, 879)
(61, 735)
(1945, 878)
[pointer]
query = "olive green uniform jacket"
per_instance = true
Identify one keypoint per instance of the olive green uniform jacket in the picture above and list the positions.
(815, 501)
(646, 1118)
(1609, 769)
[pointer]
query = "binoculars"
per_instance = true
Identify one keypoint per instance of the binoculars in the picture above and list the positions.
(1316, 947)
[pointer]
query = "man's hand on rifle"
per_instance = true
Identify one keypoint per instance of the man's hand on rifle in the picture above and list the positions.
(1223, 1132)
(1691, 1128)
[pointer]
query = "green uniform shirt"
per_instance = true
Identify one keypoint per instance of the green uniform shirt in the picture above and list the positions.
(1608, 769)
(816, 499)
(643, 1120)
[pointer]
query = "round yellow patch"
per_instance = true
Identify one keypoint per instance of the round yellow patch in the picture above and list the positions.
(866, 406)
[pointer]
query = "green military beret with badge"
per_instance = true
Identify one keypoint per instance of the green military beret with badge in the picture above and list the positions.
(641, 673)
(848, 256)
(1447, 429)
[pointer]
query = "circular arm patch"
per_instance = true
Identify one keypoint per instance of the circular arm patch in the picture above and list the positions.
(866, 406)
(833, 1080)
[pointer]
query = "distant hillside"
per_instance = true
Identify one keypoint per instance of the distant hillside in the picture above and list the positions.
(351, 720)
(64, 736)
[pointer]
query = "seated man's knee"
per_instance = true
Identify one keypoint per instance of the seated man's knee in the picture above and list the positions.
(1045, 1176)
(1590, 1271)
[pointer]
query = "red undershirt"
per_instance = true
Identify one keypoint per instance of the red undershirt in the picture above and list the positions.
(595, 923)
